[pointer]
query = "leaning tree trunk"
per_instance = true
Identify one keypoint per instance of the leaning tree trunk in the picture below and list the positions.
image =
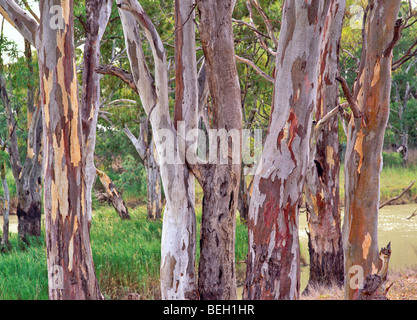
(273, 264)
(363, 162)
(66, 219)
(220, 178)
(322, 179)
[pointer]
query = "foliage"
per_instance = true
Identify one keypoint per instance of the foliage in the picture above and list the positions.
(392, 159)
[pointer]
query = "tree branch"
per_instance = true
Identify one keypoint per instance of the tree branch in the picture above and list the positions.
(18, 18)
(397, 197)
(256, 68)
(353, 106)
(120, 73)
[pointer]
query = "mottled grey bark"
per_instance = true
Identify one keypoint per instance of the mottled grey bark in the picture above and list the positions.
(178, 242)
(220, 182)
(97, 16)
(322, 178)
(273, 264)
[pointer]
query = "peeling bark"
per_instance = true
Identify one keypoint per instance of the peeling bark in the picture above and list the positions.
(177, 272)
(363, 162)
(69, 253)
(322, 179)
(273, 264)
(67, 220)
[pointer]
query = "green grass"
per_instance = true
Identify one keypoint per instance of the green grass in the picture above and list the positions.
(127, 255)
(393, 181)
(23, 274)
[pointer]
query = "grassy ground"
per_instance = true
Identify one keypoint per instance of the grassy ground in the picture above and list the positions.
(404, 287)
(393, 181)
(127, 253)
(126, 256)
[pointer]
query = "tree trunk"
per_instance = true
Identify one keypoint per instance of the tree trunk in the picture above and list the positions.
(30, 177)
(145, 146)
(178, 241)
(322, 179)
(404, 133)
(98, 14)
(71, 272)
(69, 253)
(220, 180)
(6, 206)
(273, 264)
(244, 197)
(153, 182)
(114, 195)
(363, 160)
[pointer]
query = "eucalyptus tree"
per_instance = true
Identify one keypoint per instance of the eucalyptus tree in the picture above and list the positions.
(322, 192)
(273, 264)
(71, 270)
(369, 102)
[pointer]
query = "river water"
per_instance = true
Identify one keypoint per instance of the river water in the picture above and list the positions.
(393, 226)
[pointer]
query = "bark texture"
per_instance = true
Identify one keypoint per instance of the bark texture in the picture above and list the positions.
(66, 221)
(220, 179)
(273, 264)
(363, 162)
(179, 227)
(27, 176)
(6, 206)
(322, 179)
(71, 272)
(98, 14)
